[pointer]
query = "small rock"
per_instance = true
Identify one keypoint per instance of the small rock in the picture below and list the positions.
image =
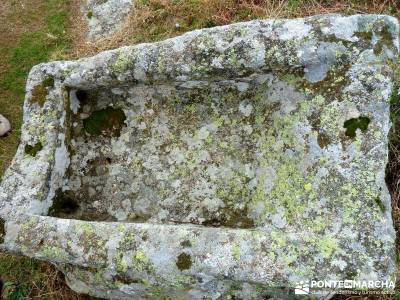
(5, 126)
(105, 17)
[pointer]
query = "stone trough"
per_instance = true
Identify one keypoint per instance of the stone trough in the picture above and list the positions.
(228, 162)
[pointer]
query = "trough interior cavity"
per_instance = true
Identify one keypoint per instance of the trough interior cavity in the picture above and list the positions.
(194, 152)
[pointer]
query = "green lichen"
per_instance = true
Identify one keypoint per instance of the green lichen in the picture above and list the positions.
(122, 63)
(141, 257)
(28, 225)
(89, 14)
(278, 239)
(333, 83)
(377, 32)
(236, 251)
(141, 262)
(327, 245)
(51, 253)
(308, 187)
(318, 224)
(84, 228)
(122, 263)
(128, 241)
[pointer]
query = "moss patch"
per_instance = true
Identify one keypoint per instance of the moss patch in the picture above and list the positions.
(395, 97)
(33, 150)
(107, 122)
(323, 140)
(380, 204)
(385, 39)
(353, 124)
(184, 261)
(232, 218)
(186, 243)
(40, 91)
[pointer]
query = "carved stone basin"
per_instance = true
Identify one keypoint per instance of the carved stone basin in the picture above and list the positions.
(232, 161)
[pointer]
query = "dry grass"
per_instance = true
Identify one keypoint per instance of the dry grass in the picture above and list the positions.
(393, 167)
(10, 32)
(29, 279)
(154, 20)
(31, 31)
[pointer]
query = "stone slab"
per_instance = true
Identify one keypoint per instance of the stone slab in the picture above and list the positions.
(225, 162)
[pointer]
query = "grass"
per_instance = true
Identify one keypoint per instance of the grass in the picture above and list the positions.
(31, 32)
(393, 167)
(28, 278)
(34, 31)
(155, 20)
(22, 50)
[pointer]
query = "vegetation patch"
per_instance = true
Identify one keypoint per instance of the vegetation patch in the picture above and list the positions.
(33, 150)
(393, 167)
(353, 124)
(2, 230)
(26, 278)
(232, 218)
(184, 261)
(395, 97)
(155, 20)
(186, 243)
(385, 38)
(380, 204)
(107, 122)
(30, 33)
(323, 140)
(40, 91)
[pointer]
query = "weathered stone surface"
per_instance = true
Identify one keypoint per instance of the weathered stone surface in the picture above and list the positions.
(227, 161)
(5, 125)
(105, 17)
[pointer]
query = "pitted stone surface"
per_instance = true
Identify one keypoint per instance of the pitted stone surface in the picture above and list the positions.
(224, 162)
(105, 17)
